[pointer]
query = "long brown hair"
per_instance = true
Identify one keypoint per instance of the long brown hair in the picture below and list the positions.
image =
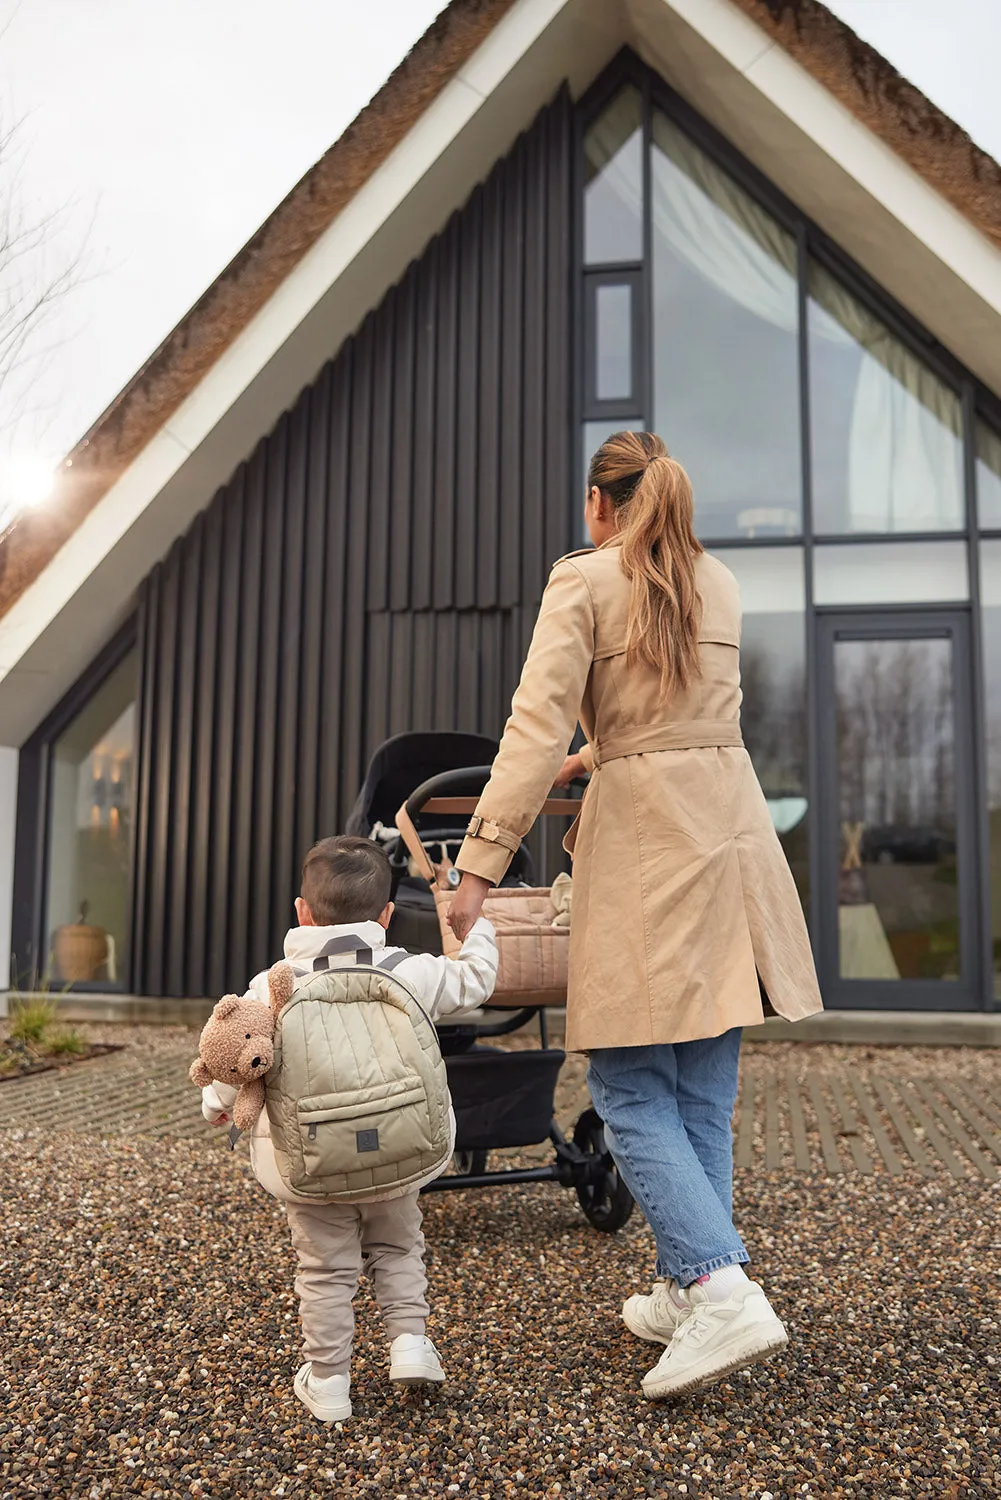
(652, 496)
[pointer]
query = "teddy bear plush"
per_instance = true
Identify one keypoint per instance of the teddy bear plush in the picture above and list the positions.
(237, 1045)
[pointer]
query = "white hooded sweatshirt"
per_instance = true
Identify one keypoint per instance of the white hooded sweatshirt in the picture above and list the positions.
(444, 986)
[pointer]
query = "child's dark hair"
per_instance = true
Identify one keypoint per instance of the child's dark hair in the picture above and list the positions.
(345, 880)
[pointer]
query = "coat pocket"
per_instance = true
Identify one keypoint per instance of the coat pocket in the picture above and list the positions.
(379, 1126)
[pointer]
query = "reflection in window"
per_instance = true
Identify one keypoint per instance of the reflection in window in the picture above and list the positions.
(990, 594)
(898, 897)
(90, 836)
(726, 381)
(988, 476)
(890, 573)
(886, 433)
(613, 183)
(773, 679)
(613, 323)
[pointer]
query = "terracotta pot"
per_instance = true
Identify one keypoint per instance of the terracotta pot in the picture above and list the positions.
(80, 951)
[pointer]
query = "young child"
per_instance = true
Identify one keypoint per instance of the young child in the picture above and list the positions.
(343, 913)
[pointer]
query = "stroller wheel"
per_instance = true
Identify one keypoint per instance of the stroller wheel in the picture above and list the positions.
(601, 1193)
(469, 1163)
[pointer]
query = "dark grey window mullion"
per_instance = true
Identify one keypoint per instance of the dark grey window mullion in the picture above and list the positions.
(149, 620)
(813, 769)
(981, 825)
(644, 394)
(597, 407)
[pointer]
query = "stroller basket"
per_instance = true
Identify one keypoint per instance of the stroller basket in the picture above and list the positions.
(502, 1098)
(533, 948)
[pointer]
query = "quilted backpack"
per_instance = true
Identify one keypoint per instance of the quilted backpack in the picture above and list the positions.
(357, 1096)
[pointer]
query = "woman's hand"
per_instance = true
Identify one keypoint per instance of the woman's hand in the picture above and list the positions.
(572, 767)
(466, 905)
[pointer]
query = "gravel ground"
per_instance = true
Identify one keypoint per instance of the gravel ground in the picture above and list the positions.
(150, 1335)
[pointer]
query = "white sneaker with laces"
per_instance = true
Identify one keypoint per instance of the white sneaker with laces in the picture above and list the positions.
(655, 1317)
(413, 1360)
(328, 1400)
(714, 1340)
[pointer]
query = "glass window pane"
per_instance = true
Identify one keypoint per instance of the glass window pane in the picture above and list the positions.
(726, 359)
(613, 324)
(594, 434)
(988, 476)
(613, 183)
(773, 678)
(89, 837)
(890, 573)
(990, 594)
(886, 433)
(898, 908)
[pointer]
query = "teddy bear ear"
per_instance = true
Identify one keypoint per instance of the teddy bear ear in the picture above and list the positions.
(281, 982)
(200, 1074)
(226, 1006)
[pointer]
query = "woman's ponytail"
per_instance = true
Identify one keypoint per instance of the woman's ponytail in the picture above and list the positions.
(652, 496)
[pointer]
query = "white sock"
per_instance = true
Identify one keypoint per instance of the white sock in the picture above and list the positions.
(719, 1284)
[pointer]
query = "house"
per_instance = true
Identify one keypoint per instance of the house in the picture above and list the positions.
(324, 510)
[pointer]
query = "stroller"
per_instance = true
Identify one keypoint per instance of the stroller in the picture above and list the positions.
(501, 1098)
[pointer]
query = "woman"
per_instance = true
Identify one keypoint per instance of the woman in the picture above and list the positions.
(682, 895)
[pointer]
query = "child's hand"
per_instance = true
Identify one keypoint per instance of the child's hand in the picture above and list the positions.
(572, 769)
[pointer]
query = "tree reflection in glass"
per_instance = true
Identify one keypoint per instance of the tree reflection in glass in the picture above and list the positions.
(898, 897)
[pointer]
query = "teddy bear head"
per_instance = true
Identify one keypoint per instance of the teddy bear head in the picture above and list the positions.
(237, 1044)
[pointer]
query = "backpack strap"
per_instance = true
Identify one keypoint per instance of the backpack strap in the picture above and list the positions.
(393, 961)
(348, 944)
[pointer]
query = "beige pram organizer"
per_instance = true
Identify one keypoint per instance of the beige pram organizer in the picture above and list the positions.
(533, 937)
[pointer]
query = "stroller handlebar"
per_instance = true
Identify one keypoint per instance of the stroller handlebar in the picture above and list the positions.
(441, 785)
(432, 796)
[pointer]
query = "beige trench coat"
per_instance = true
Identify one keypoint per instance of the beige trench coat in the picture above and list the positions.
(682, 894)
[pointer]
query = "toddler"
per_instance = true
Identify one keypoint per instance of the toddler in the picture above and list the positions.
(343, 912)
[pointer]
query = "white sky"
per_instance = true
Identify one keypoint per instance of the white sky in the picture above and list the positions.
(165, 131)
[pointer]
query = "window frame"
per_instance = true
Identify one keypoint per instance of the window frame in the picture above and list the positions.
(813, 243)
(597, 408)
(34, 817)
(977, 402)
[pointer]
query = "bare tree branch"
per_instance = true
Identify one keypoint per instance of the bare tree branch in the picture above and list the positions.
(37, 275)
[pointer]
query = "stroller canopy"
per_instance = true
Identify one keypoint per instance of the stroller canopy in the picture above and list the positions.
(401, 764)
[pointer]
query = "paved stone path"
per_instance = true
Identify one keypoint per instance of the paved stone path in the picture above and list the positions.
(856, 1120)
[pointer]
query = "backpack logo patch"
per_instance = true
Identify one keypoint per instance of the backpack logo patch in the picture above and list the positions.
(367, 1140)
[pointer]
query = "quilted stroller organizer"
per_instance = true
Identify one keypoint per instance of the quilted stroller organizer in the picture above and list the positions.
(503, 1098)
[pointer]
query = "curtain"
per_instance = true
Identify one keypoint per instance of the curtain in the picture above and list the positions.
(904, 465)
(988, 476)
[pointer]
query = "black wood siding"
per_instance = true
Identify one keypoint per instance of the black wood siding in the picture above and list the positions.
(374, 566)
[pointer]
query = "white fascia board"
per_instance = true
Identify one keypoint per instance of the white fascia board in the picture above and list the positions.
(888, 179)
(83, 595)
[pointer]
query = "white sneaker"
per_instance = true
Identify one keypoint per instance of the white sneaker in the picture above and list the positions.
(655, 1317)
(413, 1360)
(329, 1399)
(715, 1339)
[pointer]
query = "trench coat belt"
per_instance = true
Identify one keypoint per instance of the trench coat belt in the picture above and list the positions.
(686, 734)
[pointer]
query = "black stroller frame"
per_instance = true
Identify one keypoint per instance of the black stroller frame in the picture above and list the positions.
(502, 1099)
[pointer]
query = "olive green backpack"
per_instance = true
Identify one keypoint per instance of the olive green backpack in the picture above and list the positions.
(357, 1096)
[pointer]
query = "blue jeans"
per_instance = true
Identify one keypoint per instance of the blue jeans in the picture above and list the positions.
(667, 1111)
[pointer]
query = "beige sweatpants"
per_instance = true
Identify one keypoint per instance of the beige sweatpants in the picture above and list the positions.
(334, 1242)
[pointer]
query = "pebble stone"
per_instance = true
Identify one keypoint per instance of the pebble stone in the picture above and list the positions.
(149, 1333)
